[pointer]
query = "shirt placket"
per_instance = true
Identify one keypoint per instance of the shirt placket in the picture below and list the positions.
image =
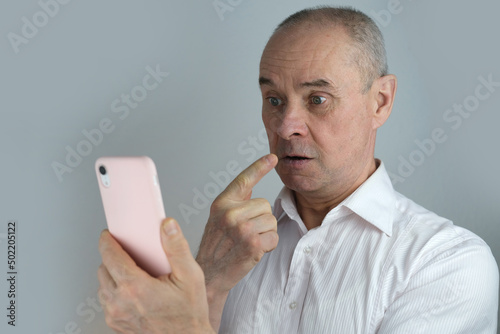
(297, 283)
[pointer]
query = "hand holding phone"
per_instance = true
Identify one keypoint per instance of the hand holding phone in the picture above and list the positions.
(134, 210)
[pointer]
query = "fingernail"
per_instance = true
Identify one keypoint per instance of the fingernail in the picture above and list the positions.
(169, 227)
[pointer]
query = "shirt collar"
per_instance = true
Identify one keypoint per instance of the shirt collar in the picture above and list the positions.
(374, 201)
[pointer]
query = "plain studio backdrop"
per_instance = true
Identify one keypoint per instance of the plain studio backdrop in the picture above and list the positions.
(75, 86)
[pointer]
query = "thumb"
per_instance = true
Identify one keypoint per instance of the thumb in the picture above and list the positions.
(177, 249)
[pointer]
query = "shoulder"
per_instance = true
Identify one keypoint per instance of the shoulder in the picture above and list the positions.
(440, 250)
(427, 230)
(439, 274)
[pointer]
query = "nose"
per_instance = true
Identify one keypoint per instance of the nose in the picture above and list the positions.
(291, 122)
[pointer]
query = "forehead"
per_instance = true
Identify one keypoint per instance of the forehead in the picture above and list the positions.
(306, 53)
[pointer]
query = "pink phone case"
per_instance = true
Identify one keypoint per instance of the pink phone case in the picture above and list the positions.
(134, 209)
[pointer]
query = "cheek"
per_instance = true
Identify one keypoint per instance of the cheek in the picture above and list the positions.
(271, 137)
(270, 126)
(337, 136)
(271, 122)
(357, 136)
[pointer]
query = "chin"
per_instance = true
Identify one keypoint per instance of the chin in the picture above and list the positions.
(300, 184)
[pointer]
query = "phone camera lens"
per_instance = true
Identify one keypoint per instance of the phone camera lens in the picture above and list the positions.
(102, 170)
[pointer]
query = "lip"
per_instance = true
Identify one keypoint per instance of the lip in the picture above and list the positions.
(294, 155)
(295, 161)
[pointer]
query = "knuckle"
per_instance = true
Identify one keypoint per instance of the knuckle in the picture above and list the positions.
(122, 274)
(110, 322)
(274, 240)
(130, 290)
(245, 230)
(270, 219)
(230, 217)
(113, 317)
(254, 243)
(264, 203)
(112, 312)
(216, 206)
(105, 296)
(243, 182)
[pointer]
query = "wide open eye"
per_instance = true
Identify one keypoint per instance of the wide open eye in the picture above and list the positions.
(318, 99)
(274, 101)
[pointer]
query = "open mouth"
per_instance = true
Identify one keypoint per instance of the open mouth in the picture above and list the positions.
(295, 159)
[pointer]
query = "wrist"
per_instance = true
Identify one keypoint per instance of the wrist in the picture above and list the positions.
(208, 330)
(214, 294)
(216, 300)
(204, 328)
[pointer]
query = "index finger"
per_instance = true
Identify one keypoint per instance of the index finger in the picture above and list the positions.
(119, 264)
(241, 187)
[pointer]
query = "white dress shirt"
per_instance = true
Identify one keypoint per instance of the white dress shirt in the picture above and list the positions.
(379, 263)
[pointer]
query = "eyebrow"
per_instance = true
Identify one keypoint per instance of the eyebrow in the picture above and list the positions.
(265, 81)
(317, 83)
(314, 83)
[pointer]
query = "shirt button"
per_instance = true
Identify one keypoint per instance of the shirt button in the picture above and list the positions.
(292, 305)
(307, 250)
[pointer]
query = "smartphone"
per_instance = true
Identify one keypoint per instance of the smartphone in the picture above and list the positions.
(133, 206)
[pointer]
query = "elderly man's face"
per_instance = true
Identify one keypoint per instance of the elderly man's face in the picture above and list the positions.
(317, 118)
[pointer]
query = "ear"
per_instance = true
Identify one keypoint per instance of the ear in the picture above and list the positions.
(385, 91)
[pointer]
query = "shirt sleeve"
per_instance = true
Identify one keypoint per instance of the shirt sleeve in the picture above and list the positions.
(455, 291)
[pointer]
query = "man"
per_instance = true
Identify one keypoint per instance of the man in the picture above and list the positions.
(353, 256)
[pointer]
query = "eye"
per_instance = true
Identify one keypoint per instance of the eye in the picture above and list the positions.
(274, 101)
(318, 99)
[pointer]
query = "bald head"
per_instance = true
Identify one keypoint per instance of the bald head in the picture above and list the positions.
(366, 41)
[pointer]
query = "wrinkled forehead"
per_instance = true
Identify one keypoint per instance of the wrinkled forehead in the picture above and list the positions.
(307, 52)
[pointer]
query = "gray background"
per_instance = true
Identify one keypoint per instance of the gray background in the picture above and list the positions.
(204, 115)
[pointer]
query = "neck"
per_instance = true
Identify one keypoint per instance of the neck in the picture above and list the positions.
(313, 208)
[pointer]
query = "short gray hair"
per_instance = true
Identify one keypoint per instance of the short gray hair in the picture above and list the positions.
(367, 39)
